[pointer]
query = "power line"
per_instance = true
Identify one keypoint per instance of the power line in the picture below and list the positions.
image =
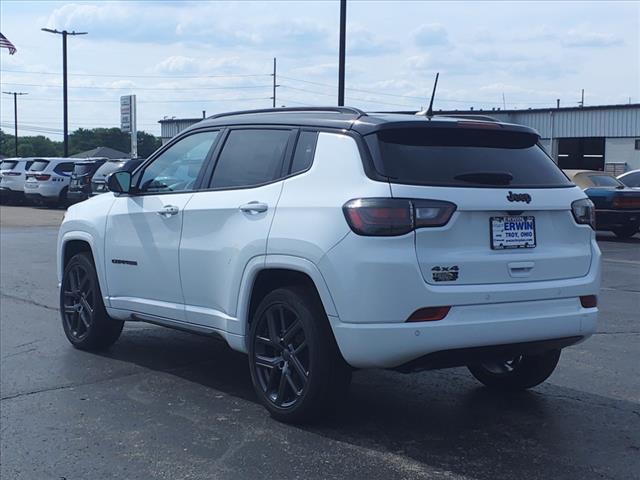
(202, 100)
(95, 87)
(230, 75)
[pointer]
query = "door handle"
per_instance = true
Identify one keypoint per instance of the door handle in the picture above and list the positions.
(254, 207)
(168, 210)
(520, 269)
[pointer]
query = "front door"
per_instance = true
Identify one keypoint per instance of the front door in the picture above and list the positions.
(143, 231)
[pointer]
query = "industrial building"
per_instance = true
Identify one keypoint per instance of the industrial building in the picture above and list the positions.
(603, 137)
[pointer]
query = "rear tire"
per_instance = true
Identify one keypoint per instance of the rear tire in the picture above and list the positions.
(520, 373)
(84, 318)
(296, 367)
(625, 232)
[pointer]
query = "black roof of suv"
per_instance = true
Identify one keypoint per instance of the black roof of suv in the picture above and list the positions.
(348, 118)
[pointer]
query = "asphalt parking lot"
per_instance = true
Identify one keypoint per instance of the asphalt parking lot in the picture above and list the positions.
(169, 405)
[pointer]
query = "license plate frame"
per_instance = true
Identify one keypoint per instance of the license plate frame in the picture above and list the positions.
(499, 241)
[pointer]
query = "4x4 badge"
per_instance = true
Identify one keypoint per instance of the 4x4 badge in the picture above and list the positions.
(519, 197)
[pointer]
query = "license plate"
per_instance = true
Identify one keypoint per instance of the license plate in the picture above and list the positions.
(513, 232)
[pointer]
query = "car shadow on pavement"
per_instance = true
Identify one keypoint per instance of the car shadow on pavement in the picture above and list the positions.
(610, 237)
(440, 420)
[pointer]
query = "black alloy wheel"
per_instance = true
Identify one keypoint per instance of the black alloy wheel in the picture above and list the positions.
(84, 318)
(296, 367)
(281, 356)
(79, 301)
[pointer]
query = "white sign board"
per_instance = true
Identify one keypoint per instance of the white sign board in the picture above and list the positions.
(127, 112)
(128, 121)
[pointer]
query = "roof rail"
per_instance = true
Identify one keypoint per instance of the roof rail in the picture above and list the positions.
(485, 118)
(351, 110)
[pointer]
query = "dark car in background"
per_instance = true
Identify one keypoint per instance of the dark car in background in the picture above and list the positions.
(98, 182)
(80, 184)
(617, 206)
(631, 178)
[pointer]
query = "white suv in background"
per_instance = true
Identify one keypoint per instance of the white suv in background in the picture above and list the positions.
(12, 177)
(318, 240)
(47, 180)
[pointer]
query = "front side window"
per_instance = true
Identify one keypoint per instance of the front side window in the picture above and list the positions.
(250, 157)
(177, 168)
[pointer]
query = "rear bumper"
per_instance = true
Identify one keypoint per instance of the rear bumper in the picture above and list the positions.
(7, 193)
(606, 219)
(392, 345)
(44, 191)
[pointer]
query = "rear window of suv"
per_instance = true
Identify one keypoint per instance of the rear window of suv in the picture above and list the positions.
(38, 165)
(463, 157)
(107, 168)
(83, 168)
(8, 164)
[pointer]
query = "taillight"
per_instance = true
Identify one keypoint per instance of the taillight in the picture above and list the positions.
(626, 202)
(42, 177)
(11, 174)
(589, 301)
(429, 314)
(395, 216)
(584, 212)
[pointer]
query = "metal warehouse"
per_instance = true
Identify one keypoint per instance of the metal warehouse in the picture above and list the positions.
(604, 137)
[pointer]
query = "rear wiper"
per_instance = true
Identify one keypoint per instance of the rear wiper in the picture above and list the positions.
(486, 178)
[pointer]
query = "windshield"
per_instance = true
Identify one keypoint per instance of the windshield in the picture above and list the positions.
(8, 164)
(463, 157)
(83, 168)
(38, 165)
(106, 169)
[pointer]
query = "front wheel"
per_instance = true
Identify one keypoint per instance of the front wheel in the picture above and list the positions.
(518, 373)
(626, 232)
(84, 318)
(296, 368)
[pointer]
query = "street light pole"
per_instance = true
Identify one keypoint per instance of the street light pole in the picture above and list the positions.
(15, 116)
(65, 114)
(341, 55)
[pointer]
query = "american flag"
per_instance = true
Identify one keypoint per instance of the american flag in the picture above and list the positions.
(4, 43)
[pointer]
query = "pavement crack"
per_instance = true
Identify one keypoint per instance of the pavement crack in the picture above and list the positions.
(29, 301)
(617, 333)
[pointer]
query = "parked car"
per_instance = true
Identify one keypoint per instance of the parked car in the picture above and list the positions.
(631, 178)
(98, 181)
(617, 206)
(12, 177)
(47, 180)
(318, 240)
(80, 183)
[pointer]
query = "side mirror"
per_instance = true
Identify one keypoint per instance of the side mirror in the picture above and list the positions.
(119, 182)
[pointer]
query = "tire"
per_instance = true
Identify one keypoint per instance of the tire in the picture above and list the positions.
(520, 373)
(84, 318)
(626, 232)
(296, 367)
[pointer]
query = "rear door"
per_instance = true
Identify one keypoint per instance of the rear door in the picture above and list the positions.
(227, 225)
(143, 230)
(513, 221)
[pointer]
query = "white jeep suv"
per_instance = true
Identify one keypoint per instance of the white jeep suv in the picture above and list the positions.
(319, 240)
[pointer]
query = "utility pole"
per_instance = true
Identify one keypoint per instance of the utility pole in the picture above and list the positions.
(15, 115)
(582, 99)
(65, 115)
(275, 85)
(341, 55)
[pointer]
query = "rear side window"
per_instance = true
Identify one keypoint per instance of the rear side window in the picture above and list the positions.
(463, 157)
(38, 165)
(305, 150)
(64, 168)
(250, 157)
(8, 164)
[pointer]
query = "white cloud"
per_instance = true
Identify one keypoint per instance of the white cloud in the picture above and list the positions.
(584, 37)
(430, 34)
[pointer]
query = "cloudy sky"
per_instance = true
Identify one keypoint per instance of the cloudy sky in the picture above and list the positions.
(180, 58)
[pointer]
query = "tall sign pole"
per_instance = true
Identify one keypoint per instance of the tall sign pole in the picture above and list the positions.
(343, 35)
(128, 121)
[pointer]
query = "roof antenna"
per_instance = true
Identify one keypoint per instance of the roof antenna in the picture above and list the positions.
(433, 94)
